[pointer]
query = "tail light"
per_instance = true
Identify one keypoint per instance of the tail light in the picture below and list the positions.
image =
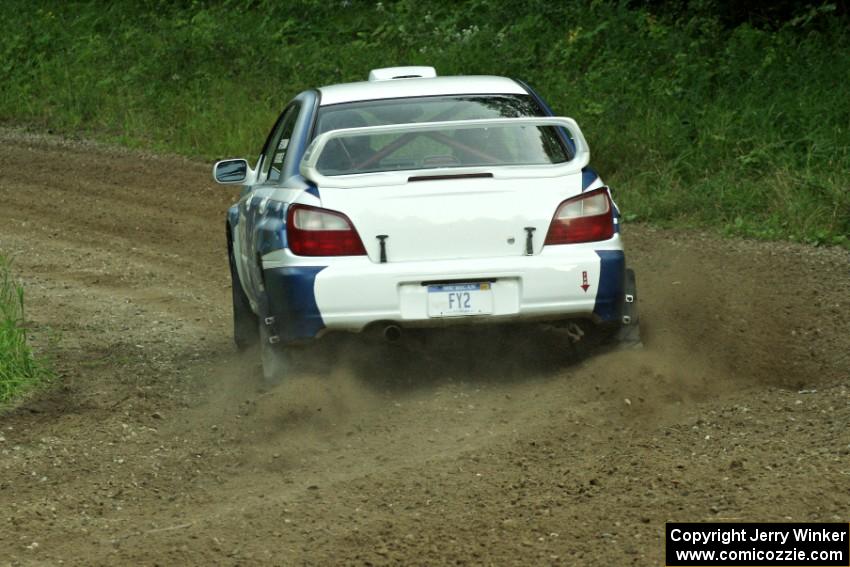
(585, 218)
(311, 231)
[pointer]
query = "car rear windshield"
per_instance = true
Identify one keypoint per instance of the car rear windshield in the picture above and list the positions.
(449, 147)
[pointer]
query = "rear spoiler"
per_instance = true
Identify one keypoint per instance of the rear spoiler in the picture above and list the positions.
(311, 157)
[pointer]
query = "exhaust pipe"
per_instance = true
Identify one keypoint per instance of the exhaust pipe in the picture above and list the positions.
(392, 333)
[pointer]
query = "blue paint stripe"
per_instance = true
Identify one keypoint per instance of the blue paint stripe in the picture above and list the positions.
(292, 301)
(617, 219)
(588, 176)
(270, 229)
(612, 273)
(233, 216)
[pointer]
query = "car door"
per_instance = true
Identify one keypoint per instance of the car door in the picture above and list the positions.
(269, 177)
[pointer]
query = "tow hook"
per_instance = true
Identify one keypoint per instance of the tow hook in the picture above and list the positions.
(529, 240)
(383, 240)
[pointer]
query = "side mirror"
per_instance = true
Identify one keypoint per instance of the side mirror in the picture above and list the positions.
(231, 171)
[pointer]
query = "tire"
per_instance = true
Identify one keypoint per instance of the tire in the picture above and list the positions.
(245, 323)
(275, 359)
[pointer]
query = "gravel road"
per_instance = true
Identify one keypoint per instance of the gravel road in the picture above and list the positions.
(158, 446)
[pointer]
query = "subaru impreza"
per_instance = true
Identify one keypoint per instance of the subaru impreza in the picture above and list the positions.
(411, 200)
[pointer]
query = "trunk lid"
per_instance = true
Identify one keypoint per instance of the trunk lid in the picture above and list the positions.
(453, 218)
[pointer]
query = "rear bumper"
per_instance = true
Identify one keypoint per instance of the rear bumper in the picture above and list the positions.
(574, 281)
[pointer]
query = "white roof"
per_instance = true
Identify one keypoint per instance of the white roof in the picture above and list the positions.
(402, 88)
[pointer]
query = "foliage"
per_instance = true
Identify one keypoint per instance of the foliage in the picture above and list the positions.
(693, 119)
(19, 371)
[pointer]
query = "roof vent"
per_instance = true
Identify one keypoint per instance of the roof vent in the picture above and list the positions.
(389, 73)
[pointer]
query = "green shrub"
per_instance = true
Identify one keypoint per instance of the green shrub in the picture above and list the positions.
(20, 372)
(695, 117)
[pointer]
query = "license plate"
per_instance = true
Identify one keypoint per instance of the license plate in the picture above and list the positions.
(456, 300)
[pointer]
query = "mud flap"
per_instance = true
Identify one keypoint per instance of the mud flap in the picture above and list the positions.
(275, 358)
(245, 322)
(628, 335)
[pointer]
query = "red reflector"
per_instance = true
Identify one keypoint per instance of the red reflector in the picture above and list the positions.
(312, 231)
(586, 218)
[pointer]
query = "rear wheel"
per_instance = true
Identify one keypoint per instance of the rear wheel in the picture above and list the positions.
(245, 322)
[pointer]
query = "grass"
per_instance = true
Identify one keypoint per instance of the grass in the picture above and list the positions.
(20, 372)
(695, 121)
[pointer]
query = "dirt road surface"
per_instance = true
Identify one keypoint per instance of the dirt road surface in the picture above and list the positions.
(157, 445)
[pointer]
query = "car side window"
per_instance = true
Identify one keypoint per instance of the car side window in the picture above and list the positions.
(275, 152)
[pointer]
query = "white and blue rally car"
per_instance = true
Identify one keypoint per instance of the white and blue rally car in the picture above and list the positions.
(412, 200)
